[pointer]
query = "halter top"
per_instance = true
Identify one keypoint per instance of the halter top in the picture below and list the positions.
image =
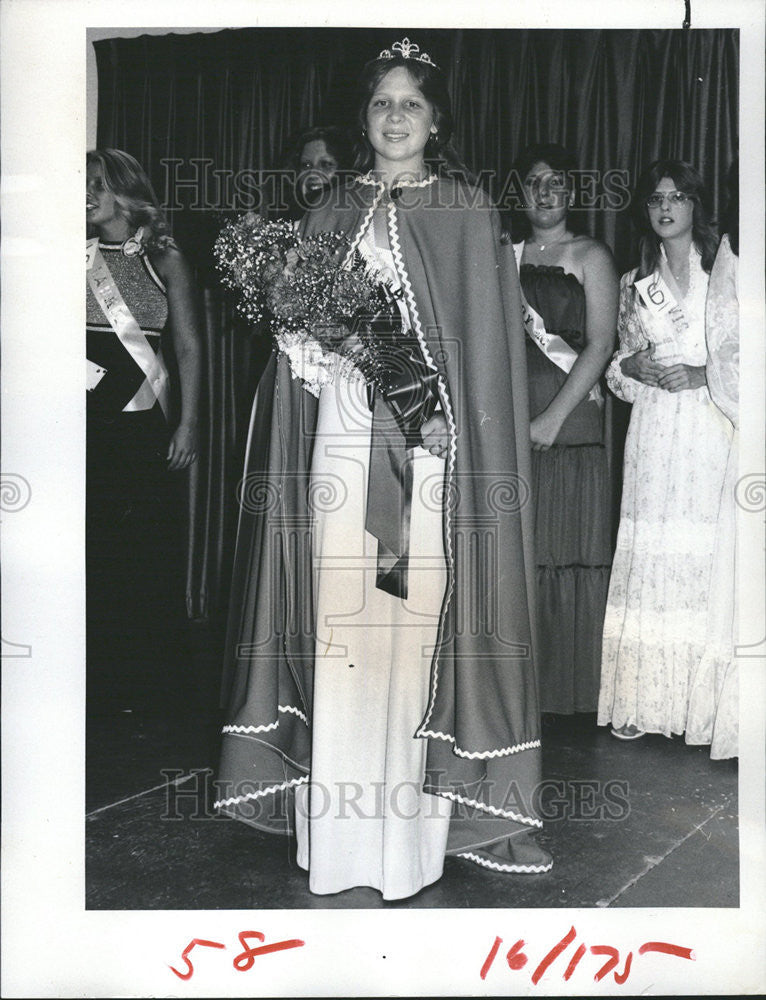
(145, 296)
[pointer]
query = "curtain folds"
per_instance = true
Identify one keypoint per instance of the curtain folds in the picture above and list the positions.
(205, 112)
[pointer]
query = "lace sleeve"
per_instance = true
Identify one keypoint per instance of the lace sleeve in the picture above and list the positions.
(631, 339)
(722, 332)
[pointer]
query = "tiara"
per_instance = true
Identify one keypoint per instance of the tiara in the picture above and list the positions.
(407, 50)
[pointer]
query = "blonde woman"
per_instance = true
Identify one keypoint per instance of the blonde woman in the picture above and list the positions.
(142, 428)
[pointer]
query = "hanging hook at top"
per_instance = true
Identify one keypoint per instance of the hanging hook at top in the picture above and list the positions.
(688, 18)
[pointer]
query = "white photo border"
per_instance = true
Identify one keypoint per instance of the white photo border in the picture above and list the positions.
(52, 946)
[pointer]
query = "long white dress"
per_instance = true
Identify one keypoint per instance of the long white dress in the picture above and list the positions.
(363, 820)
(676, 453)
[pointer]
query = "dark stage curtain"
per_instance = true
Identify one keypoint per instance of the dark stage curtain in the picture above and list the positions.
(204, 112)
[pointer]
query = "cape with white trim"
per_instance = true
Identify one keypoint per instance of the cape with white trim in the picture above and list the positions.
(482, 720)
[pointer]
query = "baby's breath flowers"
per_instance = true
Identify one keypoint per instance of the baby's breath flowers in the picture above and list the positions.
(294, 284)
(317, 299)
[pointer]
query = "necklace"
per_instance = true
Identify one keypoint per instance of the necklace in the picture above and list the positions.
(683, 269)
(543, 246)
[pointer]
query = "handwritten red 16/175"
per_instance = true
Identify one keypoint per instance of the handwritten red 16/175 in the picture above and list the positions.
(244, 960)
(516, 958)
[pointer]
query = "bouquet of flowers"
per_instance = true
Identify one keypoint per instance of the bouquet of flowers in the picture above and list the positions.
(316, 299)
(311, 296)
(319, 300)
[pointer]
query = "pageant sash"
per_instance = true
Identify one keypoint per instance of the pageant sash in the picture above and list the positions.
(667, 315)
(155, 387)
(554, 347)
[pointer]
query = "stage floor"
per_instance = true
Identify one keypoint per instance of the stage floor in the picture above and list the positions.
(651, 823)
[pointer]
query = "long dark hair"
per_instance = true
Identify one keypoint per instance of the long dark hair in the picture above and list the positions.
(334, 138)
(688, 180)
(338, 145)
(126, 179)
(440, 154)
(560, 160)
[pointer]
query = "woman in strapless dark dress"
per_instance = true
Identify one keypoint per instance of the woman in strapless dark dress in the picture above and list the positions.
(571, 283)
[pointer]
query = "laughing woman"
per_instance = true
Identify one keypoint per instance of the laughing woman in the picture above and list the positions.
(401, 723)
(675, 460)
(138, 284)
(313, 160)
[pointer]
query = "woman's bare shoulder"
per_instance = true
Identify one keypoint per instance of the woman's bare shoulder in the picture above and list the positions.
(169, 262)
(590, 252)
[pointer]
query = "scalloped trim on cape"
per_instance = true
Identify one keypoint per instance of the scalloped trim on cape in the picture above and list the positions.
(479, 754)
(369, 179)
(261, 793)
(503, 813)
(513, 868)
(396, 250)
(248, 730)
(364, 224)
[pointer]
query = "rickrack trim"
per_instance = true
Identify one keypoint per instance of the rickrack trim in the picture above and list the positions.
(423, 731)
(363, 227)
(504, 813)
(396, 251)
(369, 179)
(448, 412)
(480, 754)
(261, 793)
(520, 869)
(270, 726)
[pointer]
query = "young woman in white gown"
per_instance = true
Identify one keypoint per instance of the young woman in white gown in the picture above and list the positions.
(675, 461)
(397, 727)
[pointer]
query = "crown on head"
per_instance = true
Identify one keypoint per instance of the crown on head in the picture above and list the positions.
(407, 50)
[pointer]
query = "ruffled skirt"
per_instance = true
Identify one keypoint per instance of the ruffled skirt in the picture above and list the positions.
(571, 490)
(656, 629)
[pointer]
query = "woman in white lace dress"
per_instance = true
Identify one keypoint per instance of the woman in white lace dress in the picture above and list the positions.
(675, 461)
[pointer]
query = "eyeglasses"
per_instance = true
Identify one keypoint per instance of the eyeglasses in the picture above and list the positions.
(672, 198)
